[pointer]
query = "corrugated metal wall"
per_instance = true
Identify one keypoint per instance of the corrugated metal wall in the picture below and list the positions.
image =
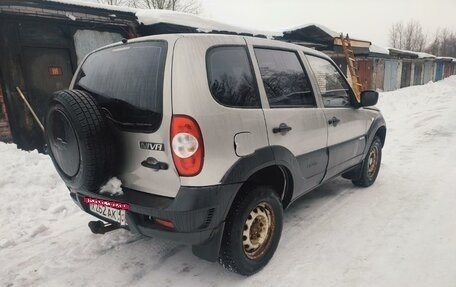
(439, 71)
(428, 73)
(418, 74)
(392, 67)
(398, 75)
(379, 71)
(365, 68)
(406, 74)
(86, 41)
(447, 69)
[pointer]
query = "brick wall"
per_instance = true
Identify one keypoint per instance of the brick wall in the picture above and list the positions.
(5, 132)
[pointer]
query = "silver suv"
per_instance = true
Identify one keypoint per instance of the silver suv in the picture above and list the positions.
(211, 137)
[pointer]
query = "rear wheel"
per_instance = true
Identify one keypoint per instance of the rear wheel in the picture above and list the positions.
(252, 231)
(371, 165)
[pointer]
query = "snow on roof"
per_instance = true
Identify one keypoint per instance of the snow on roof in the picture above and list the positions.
(378, 49)
(331, 33)
(151, 17)
(446, 58)
(403, 52)
(96, 5)
(421, 55)
(325, 29)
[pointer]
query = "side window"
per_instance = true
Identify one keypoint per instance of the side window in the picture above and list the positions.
(333, 87)
(230, 76)
(285, 81)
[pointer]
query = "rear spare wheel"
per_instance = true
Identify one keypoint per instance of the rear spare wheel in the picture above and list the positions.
(79, 141)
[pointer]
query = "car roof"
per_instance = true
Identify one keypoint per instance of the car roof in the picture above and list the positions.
(253, 40)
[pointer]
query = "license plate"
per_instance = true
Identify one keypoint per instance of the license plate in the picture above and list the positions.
(117, 215)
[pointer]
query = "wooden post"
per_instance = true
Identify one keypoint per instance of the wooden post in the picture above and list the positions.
(30, 108)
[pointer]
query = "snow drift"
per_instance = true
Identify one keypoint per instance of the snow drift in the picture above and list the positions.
(399, 232)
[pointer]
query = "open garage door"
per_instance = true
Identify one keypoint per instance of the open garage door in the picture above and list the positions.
(46, 70)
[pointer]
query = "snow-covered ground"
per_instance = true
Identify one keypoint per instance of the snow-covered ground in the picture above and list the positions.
(399, 232)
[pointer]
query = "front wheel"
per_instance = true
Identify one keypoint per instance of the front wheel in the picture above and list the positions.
(371, 165)
(252, 231)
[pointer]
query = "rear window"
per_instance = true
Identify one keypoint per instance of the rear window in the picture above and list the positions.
(230, 76)
(127, 82)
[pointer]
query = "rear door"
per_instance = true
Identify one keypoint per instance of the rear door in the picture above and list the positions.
(213, 82)
(293, 119)
(346, 125)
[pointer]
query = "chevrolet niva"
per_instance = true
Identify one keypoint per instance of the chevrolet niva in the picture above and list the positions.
(211, 136)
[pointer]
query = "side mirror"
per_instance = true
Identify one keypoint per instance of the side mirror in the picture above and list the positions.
(369, 98)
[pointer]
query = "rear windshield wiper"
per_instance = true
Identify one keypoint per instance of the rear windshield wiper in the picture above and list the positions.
(108, 115)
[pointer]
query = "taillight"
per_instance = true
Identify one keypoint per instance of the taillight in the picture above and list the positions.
(187, 145)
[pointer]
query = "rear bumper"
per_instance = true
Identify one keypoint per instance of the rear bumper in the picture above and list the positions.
(198, 213)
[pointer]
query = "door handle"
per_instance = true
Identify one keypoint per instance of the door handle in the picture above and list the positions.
(153, 163)
(333, 121)
(283, 129)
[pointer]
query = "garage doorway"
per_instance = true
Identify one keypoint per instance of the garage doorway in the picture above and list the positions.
(46, 70)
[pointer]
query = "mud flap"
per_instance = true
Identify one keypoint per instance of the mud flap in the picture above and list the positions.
(210, 249)
(131, 223)
(354, 173)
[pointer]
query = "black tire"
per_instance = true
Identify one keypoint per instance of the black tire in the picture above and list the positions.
(233, 255)
(369, 170)
(78, 139)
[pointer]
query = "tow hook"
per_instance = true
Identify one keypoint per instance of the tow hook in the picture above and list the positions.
(99, 227)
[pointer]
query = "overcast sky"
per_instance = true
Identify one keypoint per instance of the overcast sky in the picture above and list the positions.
(364, 19)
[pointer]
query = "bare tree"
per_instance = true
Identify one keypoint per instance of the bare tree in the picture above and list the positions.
(443, 44)
(113, 2)
(187, 6)
(396, 34)
(409, 36)
(415, 39)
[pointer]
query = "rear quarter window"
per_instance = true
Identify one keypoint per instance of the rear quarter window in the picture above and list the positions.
(231, 79)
